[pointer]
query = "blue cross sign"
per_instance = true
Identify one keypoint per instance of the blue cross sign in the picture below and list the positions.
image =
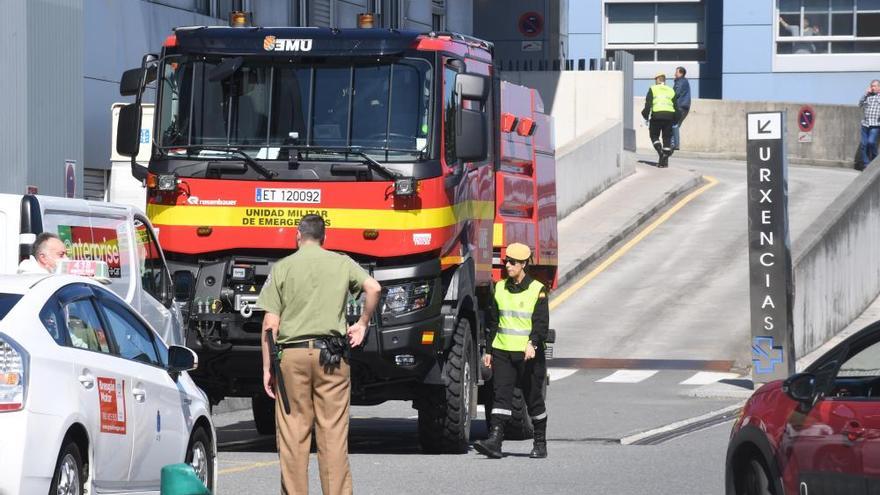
(765, 356)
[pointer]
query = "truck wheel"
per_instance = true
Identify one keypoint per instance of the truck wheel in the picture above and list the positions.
(445, 424)
(520, 425)
(263, 408)
(69, 478)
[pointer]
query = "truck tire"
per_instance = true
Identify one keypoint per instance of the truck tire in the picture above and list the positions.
(263, 408)
(520, 425)
(445, 424)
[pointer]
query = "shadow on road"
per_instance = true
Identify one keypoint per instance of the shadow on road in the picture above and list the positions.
(366, 436)
(648, 162)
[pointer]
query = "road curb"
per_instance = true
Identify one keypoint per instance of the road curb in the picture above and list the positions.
(604, 247)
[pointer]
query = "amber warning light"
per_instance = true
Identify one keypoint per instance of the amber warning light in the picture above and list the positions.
(366, 20)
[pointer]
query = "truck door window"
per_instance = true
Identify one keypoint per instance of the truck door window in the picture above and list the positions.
(151, 266)
(84, 327)
(449, 114)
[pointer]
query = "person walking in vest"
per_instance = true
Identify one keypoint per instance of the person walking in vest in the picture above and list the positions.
(518, 321)
(660, 106)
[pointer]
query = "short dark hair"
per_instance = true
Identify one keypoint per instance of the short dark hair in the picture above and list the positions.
(312, 226)
(684, 71)
(41, 240)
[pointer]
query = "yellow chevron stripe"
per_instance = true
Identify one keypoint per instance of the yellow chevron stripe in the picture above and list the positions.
(338, 218)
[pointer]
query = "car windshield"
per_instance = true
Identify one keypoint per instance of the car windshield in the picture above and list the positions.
(7, 302)
(258, 106)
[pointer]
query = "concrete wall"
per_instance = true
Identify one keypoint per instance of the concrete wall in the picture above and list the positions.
(587, 110)
(719, 127)
(42, 83)
(590, 164)
(498, 22)
(837, 263)
(579, 101)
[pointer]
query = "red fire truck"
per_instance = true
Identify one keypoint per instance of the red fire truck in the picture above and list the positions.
(423, 163)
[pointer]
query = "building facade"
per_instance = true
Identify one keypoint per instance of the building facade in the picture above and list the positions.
(818, 51)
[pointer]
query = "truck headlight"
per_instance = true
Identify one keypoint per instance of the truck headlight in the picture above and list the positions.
(405, 298)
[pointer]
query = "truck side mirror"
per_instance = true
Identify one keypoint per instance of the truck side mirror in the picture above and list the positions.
(134, 80)
(470, 136)
(472, 87)
(128, 130)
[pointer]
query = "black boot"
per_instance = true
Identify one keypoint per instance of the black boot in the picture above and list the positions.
(491, 447)
(539, 449)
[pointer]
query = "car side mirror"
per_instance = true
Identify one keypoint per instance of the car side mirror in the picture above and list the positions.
(181, 359)
(801, 388)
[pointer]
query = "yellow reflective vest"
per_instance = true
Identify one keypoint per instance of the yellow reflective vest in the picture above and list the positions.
(515, 316)
(661, 98)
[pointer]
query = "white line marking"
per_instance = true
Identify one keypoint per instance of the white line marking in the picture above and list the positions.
(707, 377)
(560, 373)
(678, 424)
(628, 376)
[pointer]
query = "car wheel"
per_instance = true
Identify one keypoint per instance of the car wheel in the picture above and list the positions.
(755, 480)
(69, 478)
(200, 455)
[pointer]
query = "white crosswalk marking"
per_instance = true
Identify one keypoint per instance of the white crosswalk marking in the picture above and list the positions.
(560, 373)
(628, 376)
(707, 377)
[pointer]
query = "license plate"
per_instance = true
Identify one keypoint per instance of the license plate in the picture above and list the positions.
(276, 195)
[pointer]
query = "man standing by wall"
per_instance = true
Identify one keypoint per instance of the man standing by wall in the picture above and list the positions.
(682, 88)
(518, 322)
(304, 298)
(660, 106)
(870, 104)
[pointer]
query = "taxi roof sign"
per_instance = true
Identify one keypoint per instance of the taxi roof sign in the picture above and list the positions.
(98, 270)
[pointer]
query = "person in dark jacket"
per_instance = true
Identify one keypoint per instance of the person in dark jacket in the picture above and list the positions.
(518, 322)
(682, 90)
(660, 107)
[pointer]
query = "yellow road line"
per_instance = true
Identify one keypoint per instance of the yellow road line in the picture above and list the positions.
(710, 183)
(248, 467)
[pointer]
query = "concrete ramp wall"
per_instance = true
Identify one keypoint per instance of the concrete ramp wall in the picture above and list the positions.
(587, 110)
(837, 263)
(718, 128)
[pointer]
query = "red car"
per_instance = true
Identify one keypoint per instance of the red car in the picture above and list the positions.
(818, 432)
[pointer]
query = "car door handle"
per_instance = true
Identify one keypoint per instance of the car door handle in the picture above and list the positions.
(87, 380)
(139, 394)
(853, 431)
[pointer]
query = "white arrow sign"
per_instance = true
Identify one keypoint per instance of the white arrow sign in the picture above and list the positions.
(765, 126)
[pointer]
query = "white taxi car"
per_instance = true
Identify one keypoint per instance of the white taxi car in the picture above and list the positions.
(91, 399)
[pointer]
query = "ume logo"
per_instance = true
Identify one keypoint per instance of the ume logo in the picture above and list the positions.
(271, 43)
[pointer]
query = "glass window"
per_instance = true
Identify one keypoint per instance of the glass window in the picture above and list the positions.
(863, 363)
(332, 102)
(370, 105)
(678, 28)
(151, 267)
(7, 302)
(290, 105)
(84, 327)
(51, 317)
(133, 339)
(845, 26)
(449, 114)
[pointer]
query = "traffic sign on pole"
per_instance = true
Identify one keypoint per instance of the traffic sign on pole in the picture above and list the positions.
(771, 288)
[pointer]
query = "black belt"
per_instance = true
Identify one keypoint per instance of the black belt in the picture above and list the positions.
(306, 344)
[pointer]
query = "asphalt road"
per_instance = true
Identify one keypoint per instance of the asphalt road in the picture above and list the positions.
(681, 293)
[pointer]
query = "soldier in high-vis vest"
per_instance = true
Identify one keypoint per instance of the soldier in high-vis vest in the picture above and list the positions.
(518, 320)
(660, 105)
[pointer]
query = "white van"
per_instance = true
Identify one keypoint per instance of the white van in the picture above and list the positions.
(120, 235)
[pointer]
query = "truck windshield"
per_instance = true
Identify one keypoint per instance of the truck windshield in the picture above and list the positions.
(259, 106)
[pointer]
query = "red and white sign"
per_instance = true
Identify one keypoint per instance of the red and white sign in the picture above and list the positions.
(806, 118)
(111, 396)
(530, 24)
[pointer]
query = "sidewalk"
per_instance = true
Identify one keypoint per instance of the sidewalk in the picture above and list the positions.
(592, 230)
